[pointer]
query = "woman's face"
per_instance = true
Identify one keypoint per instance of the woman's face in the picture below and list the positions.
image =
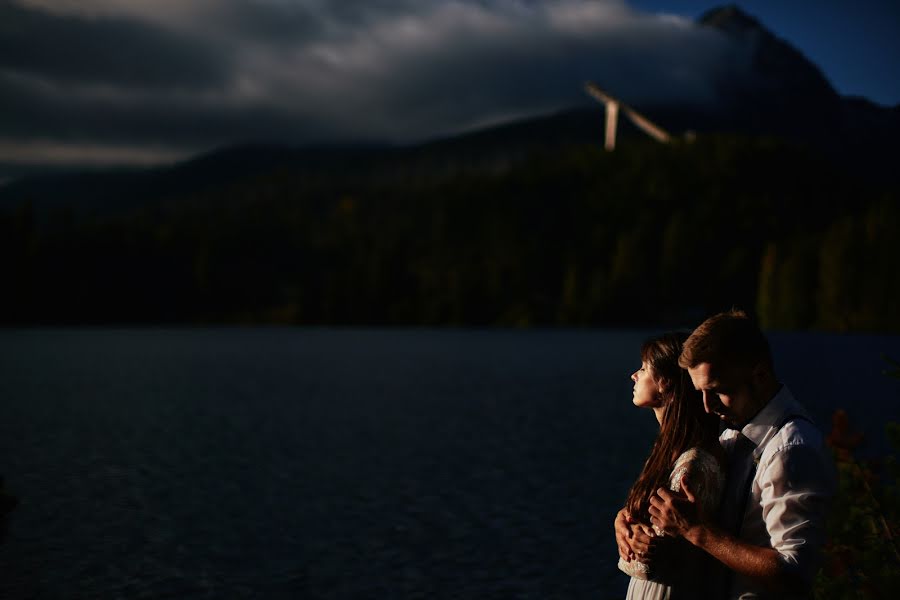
(646, 391)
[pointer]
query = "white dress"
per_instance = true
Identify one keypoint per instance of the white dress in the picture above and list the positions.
(677, 572)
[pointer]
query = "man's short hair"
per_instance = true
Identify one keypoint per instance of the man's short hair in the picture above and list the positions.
(730, 337)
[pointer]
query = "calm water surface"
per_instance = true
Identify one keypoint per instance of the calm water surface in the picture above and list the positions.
(315, 463)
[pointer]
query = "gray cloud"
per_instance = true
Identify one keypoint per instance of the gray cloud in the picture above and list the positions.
(188, 121)
(191, 76)
(110, 51)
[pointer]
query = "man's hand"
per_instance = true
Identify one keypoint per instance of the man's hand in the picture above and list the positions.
(635, 540)
(679, 514)
(672, 513)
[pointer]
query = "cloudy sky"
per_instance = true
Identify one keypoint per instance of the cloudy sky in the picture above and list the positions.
(101, 82)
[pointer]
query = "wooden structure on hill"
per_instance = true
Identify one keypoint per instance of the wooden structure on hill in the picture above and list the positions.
(613, 105)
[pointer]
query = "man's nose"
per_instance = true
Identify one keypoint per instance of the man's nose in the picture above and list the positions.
(707, 402)
(634, 376)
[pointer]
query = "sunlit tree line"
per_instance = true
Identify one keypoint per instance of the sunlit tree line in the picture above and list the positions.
(648, 234)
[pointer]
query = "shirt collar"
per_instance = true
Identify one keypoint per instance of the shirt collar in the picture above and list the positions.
(764, 424)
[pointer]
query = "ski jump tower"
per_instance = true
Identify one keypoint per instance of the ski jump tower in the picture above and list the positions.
(613, 105)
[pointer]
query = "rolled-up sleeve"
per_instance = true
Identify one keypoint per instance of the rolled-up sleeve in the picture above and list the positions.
(797, 484)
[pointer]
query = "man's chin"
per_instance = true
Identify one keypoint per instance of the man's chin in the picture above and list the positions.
(725, 419)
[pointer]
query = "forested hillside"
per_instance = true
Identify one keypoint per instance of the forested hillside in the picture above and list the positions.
(561, 234)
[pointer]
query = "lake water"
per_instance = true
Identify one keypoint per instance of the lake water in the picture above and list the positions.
(329, 463)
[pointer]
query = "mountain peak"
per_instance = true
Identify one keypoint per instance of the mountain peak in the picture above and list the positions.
(730, 19)
(780, 76)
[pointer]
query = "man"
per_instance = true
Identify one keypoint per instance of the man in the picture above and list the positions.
(771, 525)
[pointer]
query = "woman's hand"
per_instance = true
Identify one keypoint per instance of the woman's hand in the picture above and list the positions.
(635, 540)
(623, 535)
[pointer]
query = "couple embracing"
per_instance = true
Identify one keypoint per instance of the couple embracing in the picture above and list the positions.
(731, 501)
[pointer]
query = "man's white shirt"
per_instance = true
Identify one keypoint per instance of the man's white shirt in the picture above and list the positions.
(788, 499)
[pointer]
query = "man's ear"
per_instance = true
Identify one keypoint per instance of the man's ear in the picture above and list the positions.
(760, 372)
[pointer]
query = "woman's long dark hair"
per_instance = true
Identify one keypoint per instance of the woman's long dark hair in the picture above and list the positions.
(684, 425)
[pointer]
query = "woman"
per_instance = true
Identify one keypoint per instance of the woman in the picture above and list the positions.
(686, 451)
